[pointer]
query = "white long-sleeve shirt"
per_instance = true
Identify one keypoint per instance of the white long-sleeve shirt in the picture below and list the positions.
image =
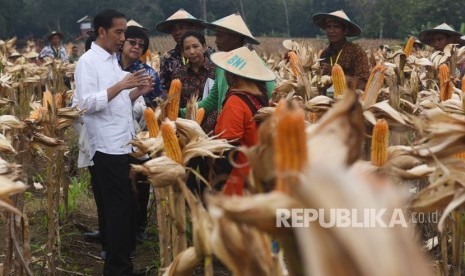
(109, 124)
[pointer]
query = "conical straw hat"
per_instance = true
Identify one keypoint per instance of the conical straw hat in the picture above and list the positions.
(133, 22)
(320, 20)
(14, 53)
(243, 62)
(425, 35)
(179, 16)
(31, 54)
(235, 24)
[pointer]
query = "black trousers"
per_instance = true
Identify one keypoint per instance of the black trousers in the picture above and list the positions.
(99, 203)
(112, 175)
(143, 194)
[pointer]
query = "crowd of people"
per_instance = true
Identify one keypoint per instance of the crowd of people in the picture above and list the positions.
(114, 86)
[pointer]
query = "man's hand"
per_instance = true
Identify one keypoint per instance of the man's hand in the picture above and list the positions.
(143, 88)
(135, 79)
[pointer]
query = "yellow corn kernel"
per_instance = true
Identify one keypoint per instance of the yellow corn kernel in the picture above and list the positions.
(409, 46)
(170, 141)
(339, 80)
(380, 143)
(445, 85)
(290, 146)
(295, 64)
(174, 96)
(151, 121)
(374, 84)
(200, 114)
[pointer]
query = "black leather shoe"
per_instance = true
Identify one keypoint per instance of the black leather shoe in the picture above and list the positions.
(95, 235)
(103, 255)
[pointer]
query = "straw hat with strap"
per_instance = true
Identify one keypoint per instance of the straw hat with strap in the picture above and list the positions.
(320, 19)
(425, 35)
(180, 16)
(234, 24)
(243, 62)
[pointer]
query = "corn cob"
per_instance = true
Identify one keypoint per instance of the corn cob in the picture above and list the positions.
(48, 100)
(460, 155)
(409, 46)
(170, 141)
(373, 86)
(339, 80)
(59, 100)
(380, 143)
(199, 116)
(174, 96)
(445, 85)
(296, 66)
(151, 121)
(313, 117)
(290, 147)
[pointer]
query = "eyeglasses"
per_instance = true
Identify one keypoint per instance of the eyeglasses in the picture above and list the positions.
(134, 43)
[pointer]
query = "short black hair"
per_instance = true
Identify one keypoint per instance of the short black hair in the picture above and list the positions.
(105, 18)
(89, 41)
(137, 32)
(195, 34)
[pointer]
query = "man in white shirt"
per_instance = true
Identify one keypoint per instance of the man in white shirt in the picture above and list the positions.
(102, 90)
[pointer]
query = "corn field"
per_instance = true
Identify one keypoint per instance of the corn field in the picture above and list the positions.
(397, 145)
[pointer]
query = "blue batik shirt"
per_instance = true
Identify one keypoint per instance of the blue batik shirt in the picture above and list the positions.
(138, 65)
(49, 51)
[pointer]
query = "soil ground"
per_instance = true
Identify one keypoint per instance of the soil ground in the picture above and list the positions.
(77, 255)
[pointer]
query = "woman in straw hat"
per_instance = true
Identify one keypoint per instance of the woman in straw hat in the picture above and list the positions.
(246, 75)
(351, 57)
(231, 33)
(176, 25)
(440, 36)
(54, 50)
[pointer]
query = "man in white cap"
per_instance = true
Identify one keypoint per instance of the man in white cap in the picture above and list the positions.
(231, 33)
(351, 57)
(54, 50)
(176, 25)
(440, 36)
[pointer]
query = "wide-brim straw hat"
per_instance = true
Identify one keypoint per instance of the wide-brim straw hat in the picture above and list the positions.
(133, 22)
(180, 16)
(31, 54)
(245, 63)
(234, 24)
(320, 20)
(444, 28)
(290, 45)
(14, 53)
(55, 33)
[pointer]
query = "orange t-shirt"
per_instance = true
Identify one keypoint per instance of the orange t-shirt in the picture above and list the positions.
(235, 122)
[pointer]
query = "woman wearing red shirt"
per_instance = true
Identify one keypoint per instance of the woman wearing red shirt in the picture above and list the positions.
(246, 75)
